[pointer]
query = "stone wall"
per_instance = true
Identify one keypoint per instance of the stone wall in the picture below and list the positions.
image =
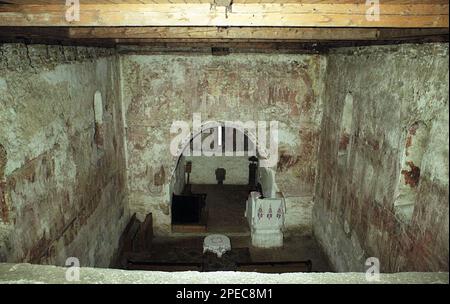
(204, 169)
(382, 184)
(363, 154)
(159, 89)
(62, 170)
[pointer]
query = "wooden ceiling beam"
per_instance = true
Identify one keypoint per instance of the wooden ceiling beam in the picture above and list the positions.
(248, 33)
(340, 14)
(214, 34)
(251, 33)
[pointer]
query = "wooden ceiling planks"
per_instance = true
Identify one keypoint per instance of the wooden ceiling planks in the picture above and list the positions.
(268, 22)
(401, 14)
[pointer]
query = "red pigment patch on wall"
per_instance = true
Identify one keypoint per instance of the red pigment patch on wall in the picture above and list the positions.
(374, 144)
(139, 146)
(282, 94)
(413, 128)
(309, 142)
(344, 141)
(98, 136)
(2, 161)
(408, 141)
(412, 176)
(160, 177)
(307, 155)
(408, 144)
(39, 250)
(308, 100)
(286, 161)
(4, 214)
(4, 210)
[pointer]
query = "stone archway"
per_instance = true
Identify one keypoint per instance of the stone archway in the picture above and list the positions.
(261, 152)
(177, 177)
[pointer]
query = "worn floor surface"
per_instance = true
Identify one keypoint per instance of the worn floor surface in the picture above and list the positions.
(295, 248)
(226, 207)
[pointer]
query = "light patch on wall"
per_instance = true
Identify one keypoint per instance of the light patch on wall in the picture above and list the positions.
(346, 125)
(58, 75)
(98, 107)
(98, 114)
(286, 136)
(3, 85)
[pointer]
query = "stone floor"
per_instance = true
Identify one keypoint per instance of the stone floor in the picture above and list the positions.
(295, 248)
(29, 274)
(225, 207)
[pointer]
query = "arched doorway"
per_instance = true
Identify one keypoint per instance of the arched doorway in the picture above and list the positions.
(209, 192)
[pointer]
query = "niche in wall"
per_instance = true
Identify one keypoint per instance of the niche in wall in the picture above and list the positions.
(415, 144)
